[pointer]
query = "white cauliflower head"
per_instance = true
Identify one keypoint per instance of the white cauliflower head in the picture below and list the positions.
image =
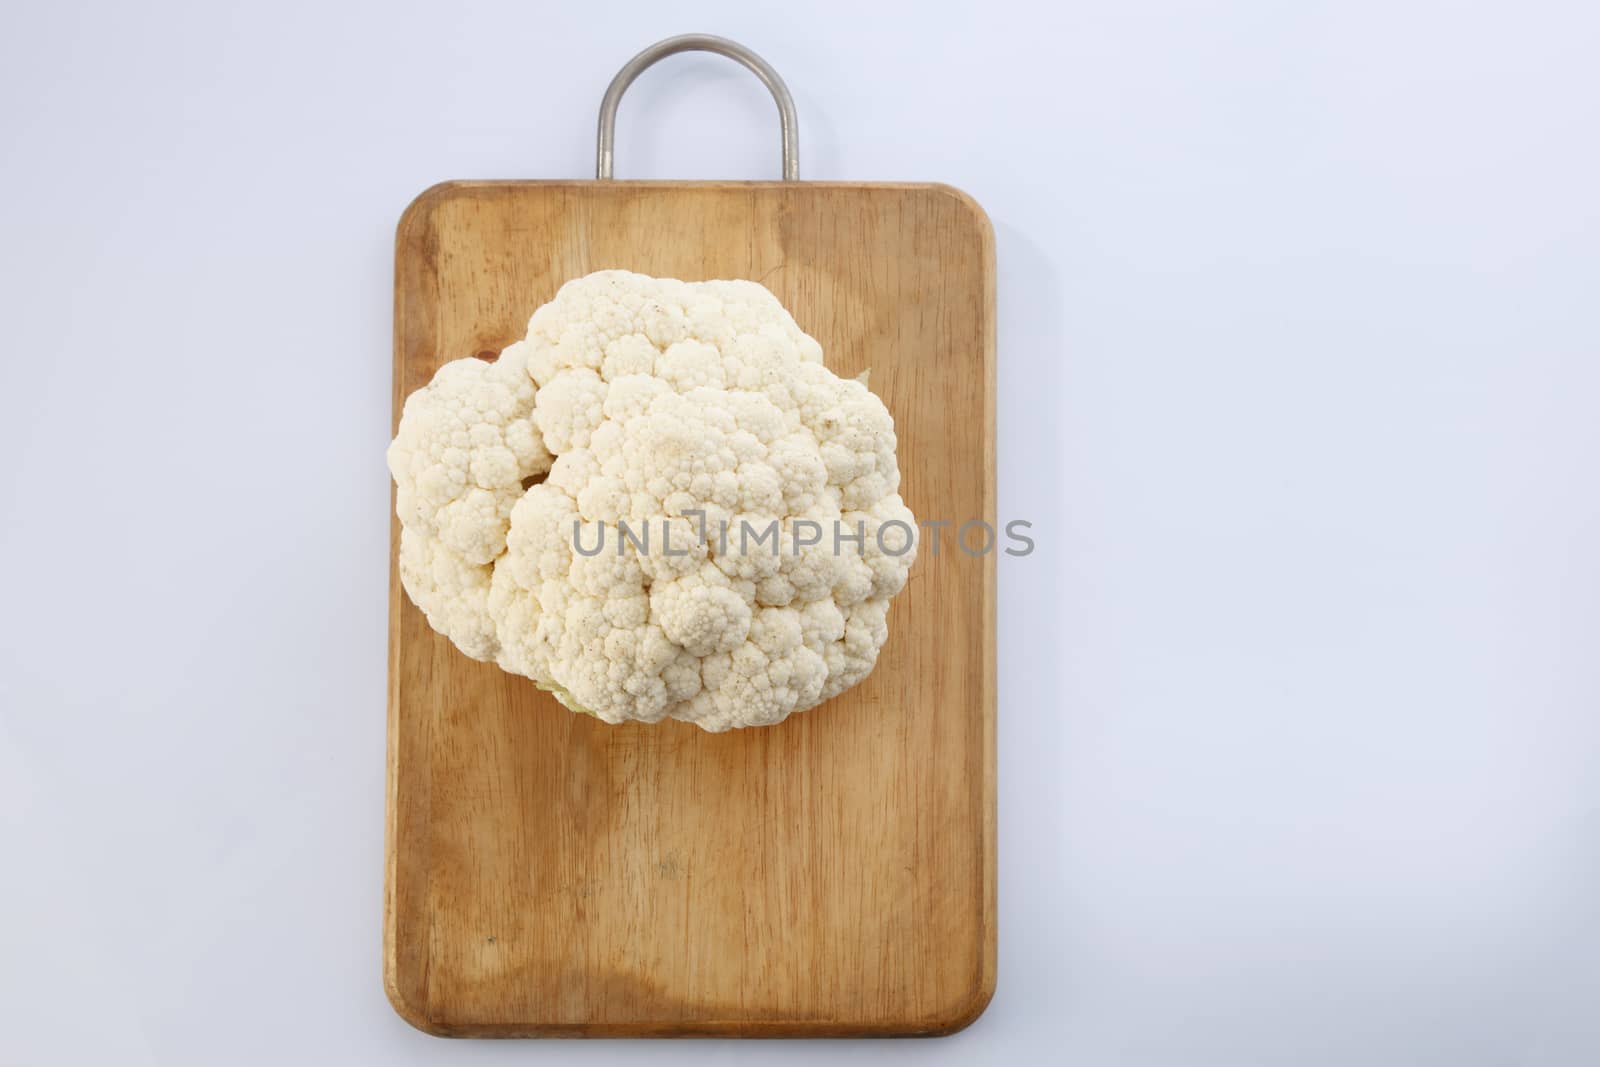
(720, 532)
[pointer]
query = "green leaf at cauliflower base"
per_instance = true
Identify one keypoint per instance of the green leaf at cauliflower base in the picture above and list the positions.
(568, 701)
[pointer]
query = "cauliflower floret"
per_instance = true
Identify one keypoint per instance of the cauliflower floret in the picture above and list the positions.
(465, 446)
(701, 612)
(451, 591)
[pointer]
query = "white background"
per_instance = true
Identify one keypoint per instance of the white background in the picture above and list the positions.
(1300, 384)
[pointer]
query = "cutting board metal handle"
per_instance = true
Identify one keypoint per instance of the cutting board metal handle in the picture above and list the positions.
(699, 42)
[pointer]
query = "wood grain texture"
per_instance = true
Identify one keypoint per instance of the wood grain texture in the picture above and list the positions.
(549, 875)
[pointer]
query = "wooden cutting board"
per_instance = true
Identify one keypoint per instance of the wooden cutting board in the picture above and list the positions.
(549, 875)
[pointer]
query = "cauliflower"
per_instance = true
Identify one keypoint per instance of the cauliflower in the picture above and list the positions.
(720, 531)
